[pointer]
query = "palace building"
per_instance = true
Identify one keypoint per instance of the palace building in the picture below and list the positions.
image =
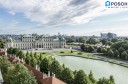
(35, 41)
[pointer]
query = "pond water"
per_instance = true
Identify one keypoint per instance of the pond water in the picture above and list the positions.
(99, 68)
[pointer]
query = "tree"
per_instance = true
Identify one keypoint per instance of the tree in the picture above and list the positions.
(109, 43)
(99, 50)
(9, 50)
(18, 74)
(33, 61)
(70, 40)
(104, 50)
(104, 41)
(116, 54)
(82, 47)
(4, 64)
(36, 56)
(121, 50)
(114, 40)
(2, 44)
(31, 54)
(90, 49)
(23, 56)
(106, 81)
(123, 44)
(103, 81)
(40, 58)
(27, 53)
(44, 66)
(124, 55)
(67, 76)
(56, 68)
(91, 77)
(20, 53)
(81, 78)
(15, 51)
(28, 60)
(93, 41)
(110, 53)
(81, 40)
(112, 81)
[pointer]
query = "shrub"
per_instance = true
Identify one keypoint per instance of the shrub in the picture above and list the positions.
(61, 52)
(43, 53)
(79, 53)
(71, 51)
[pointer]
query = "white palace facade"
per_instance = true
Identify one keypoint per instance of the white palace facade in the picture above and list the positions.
(35, 41)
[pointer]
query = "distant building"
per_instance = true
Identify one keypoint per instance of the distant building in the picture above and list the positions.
(35, 41)
(108, 35)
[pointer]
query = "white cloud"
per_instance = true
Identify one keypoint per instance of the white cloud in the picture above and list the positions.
(52, 12)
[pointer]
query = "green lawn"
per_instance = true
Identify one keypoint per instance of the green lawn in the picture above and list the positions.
(76, 53)
(43, 53)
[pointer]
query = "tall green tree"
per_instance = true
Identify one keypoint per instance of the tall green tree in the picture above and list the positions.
(67, 76)
(20, 54)
(81, 78)
(104, 41)
(103, 81)
(93, 41)
(91, 77)
(121, 50)
(104, 50)
(90, 48)
(19, 75)
(36, 56)
(124, 55)
(9, 50)
(82, 47)
(109, 43)
(110, 53)
(116, 54)
(15, 51)
(56, 68)
(112, 81)
(2, 44)
(81, 40)
(28, 60)
(99, 50)
(45, 65)
(33, 62)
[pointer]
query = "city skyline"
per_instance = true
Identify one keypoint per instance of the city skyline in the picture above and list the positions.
(71, 17)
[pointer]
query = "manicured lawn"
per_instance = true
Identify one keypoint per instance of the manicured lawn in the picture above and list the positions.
(43, 53)
(77, 53)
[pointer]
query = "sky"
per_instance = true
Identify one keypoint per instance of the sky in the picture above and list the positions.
(70, 17)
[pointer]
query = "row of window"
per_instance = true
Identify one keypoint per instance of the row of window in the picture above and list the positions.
(30, 44)
(50, 40)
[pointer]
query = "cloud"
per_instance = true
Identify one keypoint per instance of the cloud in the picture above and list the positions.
(54, 12)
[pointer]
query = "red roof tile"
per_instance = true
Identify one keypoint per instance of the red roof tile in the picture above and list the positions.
(41, 79)
(51, 80)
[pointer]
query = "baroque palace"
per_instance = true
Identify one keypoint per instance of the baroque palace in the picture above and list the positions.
(35, 41)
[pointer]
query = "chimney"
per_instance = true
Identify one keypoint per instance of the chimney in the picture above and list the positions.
(36, 67)
(48, 73)
(14, 56)
(54, 75)
(18, 57)
(22, 60)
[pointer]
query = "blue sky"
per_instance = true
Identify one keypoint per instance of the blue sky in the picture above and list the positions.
(71, 17)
